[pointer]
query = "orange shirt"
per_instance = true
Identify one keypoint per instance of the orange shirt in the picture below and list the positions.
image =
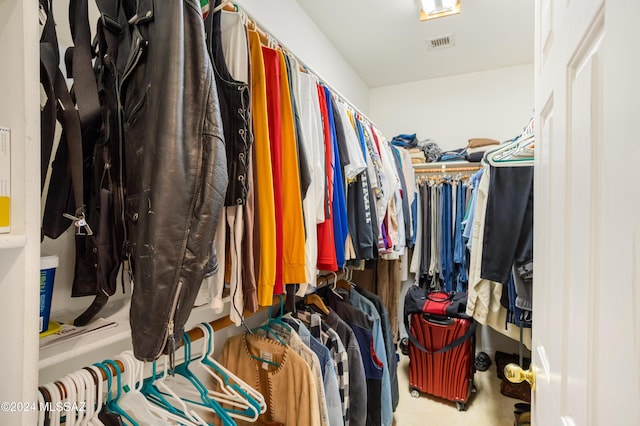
(263, 180)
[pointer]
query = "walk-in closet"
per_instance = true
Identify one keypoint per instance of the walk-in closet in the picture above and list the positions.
(319, 213)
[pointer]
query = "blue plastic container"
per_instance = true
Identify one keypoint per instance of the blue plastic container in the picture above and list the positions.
(48, 265)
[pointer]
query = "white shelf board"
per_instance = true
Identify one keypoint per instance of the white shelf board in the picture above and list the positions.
(12, 240)
(82, 345)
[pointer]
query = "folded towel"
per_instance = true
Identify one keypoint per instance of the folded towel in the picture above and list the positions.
(476, 142)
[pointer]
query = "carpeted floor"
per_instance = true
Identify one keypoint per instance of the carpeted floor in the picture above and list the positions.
(487, 407)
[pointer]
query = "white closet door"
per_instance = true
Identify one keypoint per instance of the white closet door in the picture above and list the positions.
(586, 333)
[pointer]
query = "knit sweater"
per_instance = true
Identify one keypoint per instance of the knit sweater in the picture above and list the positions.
(289, 389)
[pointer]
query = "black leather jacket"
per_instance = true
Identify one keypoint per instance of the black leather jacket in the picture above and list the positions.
(175, 174)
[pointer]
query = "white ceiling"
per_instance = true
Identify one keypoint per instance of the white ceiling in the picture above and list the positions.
(385, 42)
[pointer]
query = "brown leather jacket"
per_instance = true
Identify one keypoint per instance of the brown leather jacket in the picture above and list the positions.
(175, 174)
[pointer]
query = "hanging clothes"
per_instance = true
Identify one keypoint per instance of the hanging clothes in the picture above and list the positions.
(280, 375)
(313, 203)
(265, 230)
(293, 257)
(340, 221)
(274, 106)
(338, 337)
(327, 256)
(483, 300)
(329, 377)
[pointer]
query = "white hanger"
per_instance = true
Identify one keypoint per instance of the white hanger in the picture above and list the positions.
(94, 420)
(70, 418)
(497, 157)
(131, 401)
(165, 389)
(54, 394)
(81, 397)
(221, 6)
(89, 398)
(40, 406)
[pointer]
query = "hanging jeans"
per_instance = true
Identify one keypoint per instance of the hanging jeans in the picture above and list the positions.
(459, 255)
(446, 247)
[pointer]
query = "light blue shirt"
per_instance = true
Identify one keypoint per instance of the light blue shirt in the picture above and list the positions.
(330, 378)
(365, 305)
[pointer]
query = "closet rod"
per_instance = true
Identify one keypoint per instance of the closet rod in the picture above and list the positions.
(264, 37)
(448, 169)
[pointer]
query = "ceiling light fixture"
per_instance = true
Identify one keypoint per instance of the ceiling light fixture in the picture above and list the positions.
(432, 9)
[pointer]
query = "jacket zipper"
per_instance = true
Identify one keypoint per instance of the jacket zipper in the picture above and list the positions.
(131, 64)
(170, 338)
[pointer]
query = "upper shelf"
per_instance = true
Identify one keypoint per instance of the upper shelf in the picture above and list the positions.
(109, 338)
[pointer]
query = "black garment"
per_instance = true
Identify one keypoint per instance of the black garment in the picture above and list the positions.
(235, 107)
(174, 164)
(388, 341)
(425, 260)
(358, 407)
(508, 227)
(357, 380)
(362, 327)
(361, 218)
(476, 157)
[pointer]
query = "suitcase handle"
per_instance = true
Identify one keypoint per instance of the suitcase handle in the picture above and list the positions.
(460, 340)
(438, 320)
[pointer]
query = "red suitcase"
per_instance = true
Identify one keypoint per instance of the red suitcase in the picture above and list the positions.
(447, 369)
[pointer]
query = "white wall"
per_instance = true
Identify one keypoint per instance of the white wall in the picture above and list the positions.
(289, 23)
(495, 104)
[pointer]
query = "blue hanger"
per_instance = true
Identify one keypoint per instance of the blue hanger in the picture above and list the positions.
(152, 394)
(112, 404)
(225, 378)
(184, 371)
(266, 327)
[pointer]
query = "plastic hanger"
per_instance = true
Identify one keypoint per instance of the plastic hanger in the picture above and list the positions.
(115, 407)
(81, 397)
(70, 387)
(132, 401)
(239, 399)
(54, 394)
(156, 390)
(184, 371)
(277, 320)
(98, 383)
(40, 412)
(153, 414)
(105, 415)
(266, 328)
(506, 154)
(238, 390)
(92, 404)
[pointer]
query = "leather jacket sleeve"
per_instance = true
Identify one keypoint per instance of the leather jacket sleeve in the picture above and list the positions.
(175, 168)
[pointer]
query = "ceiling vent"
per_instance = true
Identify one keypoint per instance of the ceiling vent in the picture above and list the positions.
(441, 42)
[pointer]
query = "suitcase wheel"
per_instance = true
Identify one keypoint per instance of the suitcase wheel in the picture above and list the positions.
(461, 406)
(415, 393)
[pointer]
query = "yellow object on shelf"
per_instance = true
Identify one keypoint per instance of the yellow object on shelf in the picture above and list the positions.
(54, 327)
